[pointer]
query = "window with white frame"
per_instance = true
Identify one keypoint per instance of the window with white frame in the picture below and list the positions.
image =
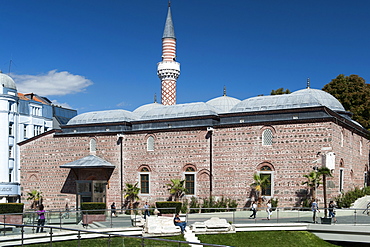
(144, 180)
(25, 131)
(267, 137)
(150, 143)
(36, 110)
(341, 179)
(190, 180)
(266, 173)
(37, 130)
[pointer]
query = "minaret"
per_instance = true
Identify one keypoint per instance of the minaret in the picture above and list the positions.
(168, 70)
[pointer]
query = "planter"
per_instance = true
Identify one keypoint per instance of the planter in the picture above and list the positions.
(325, 220)
(90, 218)
(16, 219)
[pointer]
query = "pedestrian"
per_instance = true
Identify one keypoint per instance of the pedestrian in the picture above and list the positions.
(315, 210)
(146, 210)
(41, 219)
(332, 207)
(254, 210)
(113, 209)
(66, 213)
(178, 222)
(269, 209)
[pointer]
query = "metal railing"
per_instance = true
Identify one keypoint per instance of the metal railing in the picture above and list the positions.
(78, 233)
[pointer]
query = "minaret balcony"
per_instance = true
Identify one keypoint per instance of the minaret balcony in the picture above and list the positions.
(168, 65)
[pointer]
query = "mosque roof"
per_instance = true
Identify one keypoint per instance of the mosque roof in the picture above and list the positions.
(179, 111)
(300, 99)
(103, 117)
(224, 103)
(7, 81)
(221, 105)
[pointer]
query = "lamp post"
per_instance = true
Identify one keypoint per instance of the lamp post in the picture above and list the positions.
(209, 136)
(119, 142)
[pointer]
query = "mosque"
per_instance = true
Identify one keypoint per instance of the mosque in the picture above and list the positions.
(215, 146)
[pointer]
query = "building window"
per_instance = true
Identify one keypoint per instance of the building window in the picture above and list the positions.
(361, 147)
(11, 152)
(35, 110)
(11, 129)
(144, 180)
(37, 130)
(341, 139)
(92, 145)
(150, 143)
(266, 173)
(190, 180)
(267, 137)
(341, 178)
(25, 131)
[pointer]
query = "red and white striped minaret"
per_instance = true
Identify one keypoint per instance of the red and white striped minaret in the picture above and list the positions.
(168, 70)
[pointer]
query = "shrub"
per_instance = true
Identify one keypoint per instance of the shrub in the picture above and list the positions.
(99, 206)
(274, 203)
(346, 199)
(8, 208)
(184, 207)
(170, 205)
(194, 204)
(232, 205)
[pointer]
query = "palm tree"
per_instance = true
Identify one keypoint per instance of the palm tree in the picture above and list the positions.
(260, 183)
(313, 181)
(325, 172)
(131, 193)
(177, 188)
(36, 197)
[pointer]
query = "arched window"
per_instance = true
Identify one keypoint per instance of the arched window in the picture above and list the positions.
(144, 180)
(190, 180)
(267, 137)
(150, 143)
(266, 172)
(92, 145)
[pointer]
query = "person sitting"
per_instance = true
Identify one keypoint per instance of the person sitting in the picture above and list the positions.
(180, 223)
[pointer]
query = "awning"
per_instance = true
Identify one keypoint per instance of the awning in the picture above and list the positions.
(90, 161)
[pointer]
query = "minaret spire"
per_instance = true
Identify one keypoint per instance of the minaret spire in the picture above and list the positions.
(168, 69)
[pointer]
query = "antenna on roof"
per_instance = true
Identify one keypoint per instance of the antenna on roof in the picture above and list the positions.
(224, 90)
(155, 98)
(10, 65)
(169, 3)
(308, 82)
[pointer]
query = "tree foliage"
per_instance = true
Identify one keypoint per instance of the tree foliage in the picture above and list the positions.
(260, 182)
(131, 193)
(177, 188)
(280, 91)
(354, 94)
(36, 198)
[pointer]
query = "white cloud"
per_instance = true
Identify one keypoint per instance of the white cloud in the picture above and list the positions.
(65, 105)
(53, 83)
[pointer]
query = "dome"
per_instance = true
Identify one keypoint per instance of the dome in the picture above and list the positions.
(299, 99)
(322, 97)
(103, 117)
(7, 81)
(144, 108)
(181, 110)
(224, 103)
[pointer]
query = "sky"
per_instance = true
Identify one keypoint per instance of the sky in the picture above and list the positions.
(93, 55)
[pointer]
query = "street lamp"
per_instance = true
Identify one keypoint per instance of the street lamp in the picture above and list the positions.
(209, 136)
(119, 142)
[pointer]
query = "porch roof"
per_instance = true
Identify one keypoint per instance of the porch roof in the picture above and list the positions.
(90, 161)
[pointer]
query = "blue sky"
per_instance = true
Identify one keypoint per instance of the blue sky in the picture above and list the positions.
(99, 55)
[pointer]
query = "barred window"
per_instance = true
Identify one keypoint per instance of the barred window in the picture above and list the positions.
(267, 137)
(144, 180)
(150, 143)
(190, 180)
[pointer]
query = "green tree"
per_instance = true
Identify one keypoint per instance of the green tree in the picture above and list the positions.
(325, 172)
(131, 193)
(280, 91)
(36, 198)
(177, 188)
(354, 94)
(313, 181)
